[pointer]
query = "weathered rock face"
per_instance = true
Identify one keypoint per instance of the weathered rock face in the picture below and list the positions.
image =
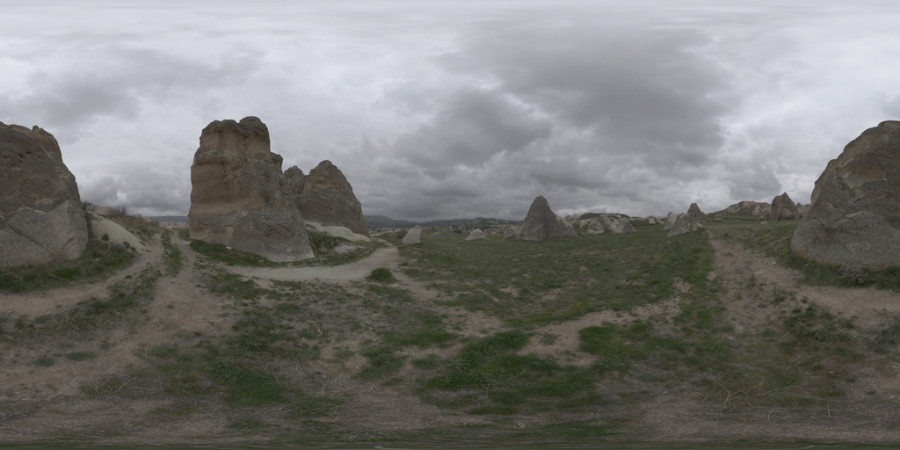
(783, 208)
(41, 218)
(746, 208)
(694, 211)
(854, 217)
(236, 195)
(413, 236)
(325, 196)
(542, 223)
(683, 224)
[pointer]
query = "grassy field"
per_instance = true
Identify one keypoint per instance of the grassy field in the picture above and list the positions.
(576, 337)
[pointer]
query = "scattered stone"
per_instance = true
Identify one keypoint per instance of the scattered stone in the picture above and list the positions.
(237, 195)
(325, 196)
(413, 236)
(41, 217)
(683, 224)
(542, 223)
(653, 220)
(853, 219)
(694, 211)
(476, 235)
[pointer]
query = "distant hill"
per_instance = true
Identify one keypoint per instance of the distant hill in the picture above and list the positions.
(386, 222)
(179, 219)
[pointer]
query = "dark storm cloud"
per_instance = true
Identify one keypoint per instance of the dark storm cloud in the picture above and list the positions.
(563, 106)
(469, 129)
(637, 89)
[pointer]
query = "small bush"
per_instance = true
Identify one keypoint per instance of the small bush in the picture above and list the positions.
(382, 275)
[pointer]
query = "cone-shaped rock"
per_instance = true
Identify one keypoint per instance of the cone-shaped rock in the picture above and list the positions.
(542, 223)
(783, 208)
(41, 218)
(854, 217)
(325, 196)
(236, 195)
(694, 211)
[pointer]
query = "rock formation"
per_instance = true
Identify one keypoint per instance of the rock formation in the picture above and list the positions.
(413, 236)
(325, 196)
(669, 220)
(542, 223)
(683, 224)
(746, 208)
(41, 218)
(476, 235)
(854, 217)
(237, 196)
(694, 211)
(598, 223)
(616, 223)
(783, 208)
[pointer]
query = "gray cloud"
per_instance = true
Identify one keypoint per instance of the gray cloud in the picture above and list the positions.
(460, 108)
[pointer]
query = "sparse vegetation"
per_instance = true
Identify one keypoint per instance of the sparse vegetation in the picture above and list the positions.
(286, 358)
(382, 275)
(528, 284)
(99, 260)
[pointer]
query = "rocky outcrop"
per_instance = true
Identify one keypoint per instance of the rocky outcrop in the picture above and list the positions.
(325, 196)
(542, 223)
(616, 223)
(413, 236)
(41, 217)
(684, 224)
(476, 235)
(598, 223)
(745, 208)
(237, 195)
(694, 211)
(854, 217)
(783, 208)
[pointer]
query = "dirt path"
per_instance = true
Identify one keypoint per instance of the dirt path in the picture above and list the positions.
(750, 275)
(383, 257)
(37, 303)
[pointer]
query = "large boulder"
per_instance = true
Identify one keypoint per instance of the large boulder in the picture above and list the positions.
(694, 211)
(41, 216)
(669, 220)
(476, 235)
(542, 223)
(237, 194)
(325, 196)
(783, 208)
(684, 224)
(413, 236)
(854, 217)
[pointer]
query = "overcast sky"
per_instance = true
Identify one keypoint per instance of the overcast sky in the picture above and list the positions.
(455, 108)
